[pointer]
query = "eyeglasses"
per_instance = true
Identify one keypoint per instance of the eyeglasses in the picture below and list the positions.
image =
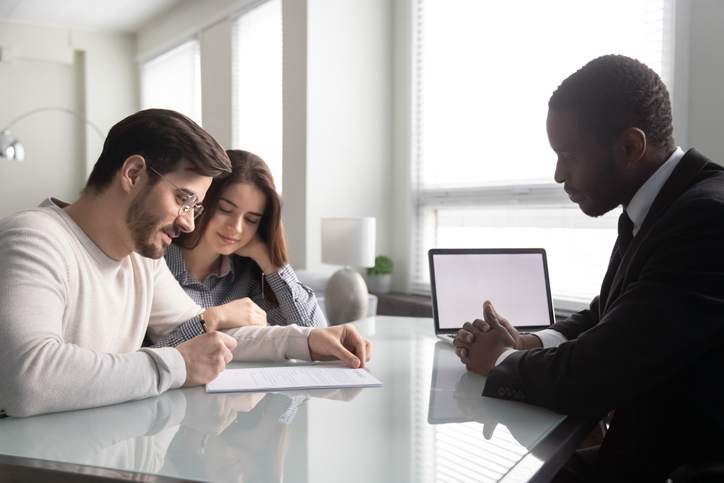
(188, 201)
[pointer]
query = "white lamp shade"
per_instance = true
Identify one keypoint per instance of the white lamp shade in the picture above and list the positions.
(349, 241)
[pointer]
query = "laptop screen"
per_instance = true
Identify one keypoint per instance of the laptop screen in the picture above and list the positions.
(514, 280)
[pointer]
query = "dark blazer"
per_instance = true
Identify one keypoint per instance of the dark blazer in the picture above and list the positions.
(651, 345)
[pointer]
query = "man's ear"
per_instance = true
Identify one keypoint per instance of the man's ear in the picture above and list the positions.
(632, 145)
(132, 172)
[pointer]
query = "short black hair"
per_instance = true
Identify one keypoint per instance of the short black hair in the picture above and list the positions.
(612, 93)
(165, 139)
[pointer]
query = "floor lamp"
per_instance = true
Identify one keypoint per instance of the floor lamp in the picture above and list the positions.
(11, 149)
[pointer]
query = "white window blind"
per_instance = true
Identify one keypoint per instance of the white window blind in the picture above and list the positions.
(173, 81)
(257, 84)
(483, 168)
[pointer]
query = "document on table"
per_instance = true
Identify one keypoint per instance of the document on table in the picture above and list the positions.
(290, 378)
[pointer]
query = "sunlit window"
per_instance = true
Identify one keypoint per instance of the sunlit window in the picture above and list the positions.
(173, 81)
(483, 167)
(257, 84)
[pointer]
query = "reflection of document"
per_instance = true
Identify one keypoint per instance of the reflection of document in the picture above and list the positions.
(291, 378)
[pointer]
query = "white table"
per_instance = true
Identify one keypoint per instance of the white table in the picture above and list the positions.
(428, 423)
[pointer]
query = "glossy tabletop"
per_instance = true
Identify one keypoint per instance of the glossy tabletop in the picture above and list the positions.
(427, 423)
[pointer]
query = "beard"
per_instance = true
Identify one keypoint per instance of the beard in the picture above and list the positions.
(606, 193)
(144, 226)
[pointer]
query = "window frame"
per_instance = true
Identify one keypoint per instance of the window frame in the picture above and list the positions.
(534, 193)
(158, 57)
(278, 176)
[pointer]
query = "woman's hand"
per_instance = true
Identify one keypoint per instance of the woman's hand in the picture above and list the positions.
(237, 313)
(340, 342)
(258, 251)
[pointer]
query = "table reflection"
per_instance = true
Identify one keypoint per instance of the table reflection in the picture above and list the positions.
(188, 433)
(131, 436)
(244, 439)
(456, 397)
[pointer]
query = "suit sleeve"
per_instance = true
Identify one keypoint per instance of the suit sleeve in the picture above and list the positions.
(579, 322)
(665, 321)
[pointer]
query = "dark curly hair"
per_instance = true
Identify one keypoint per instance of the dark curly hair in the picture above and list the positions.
(614, 92)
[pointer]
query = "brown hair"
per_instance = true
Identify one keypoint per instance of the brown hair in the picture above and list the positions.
(249, 168)
(165, 139)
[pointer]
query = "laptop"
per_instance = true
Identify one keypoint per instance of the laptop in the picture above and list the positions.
(515, 280)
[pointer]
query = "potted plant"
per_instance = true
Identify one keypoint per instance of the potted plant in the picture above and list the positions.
(379, 277)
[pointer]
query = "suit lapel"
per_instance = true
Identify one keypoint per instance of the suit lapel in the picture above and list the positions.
(680, 180)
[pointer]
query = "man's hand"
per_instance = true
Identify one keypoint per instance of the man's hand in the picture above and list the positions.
(341, 342)
(521, 341)
(480, 344)
(206, 356)
(237, 313)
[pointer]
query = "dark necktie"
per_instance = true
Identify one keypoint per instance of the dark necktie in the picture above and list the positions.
(625, 235)
(625, 232)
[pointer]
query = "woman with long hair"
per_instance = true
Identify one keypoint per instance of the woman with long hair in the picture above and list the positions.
(237, 255)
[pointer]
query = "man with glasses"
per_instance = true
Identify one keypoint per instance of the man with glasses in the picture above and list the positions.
(81, 283)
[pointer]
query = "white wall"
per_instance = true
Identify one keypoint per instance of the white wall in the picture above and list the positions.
(172, 27)
(294, 153)
(216, 81)
(706, 78)
(89, 73)
(349, 118)
(401, 246)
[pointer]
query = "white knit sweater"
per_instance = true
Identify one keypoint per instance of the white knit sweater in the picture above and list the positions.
(72, 320)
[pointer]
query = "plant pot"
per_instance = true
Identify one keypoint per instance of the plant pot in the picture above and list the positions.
(379, 283)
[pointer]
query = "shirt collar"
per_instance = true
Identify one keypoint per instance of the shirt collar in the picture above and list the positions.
(176, 265)
(225, 268)
(640, 204)
(175, 261)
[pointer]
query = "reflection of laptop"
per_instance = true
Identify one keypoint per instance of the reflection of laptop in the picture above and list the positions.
(514, 279)
(455, 398)
(451, 382)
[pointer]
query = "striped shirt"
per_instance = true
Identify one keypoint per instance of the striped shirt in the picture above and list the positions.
(239, 277)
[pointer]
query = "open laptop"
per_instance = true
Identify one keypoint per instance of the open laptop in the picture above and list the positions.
(514, 279)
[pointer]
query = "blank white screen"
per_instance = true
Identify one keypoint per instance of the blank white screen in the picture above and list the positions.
(514, 282)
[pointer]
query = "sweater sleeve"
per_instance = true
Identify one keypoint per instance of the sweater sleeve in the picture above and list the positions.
(39, 371)
(271, 343)
(171, 305)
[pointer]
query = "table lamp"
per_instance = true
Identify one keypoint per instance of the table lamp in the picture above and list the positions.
(349, 242)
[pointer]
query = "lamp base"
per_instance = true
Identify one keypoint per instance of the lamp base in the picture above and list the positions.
(345, 297)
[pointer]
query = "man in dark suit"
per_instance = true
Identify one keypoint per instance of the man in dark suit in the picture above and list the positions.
(651, 346)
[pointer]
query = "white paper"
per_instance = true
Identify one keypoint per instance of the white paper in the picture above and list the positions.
(258, 379)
